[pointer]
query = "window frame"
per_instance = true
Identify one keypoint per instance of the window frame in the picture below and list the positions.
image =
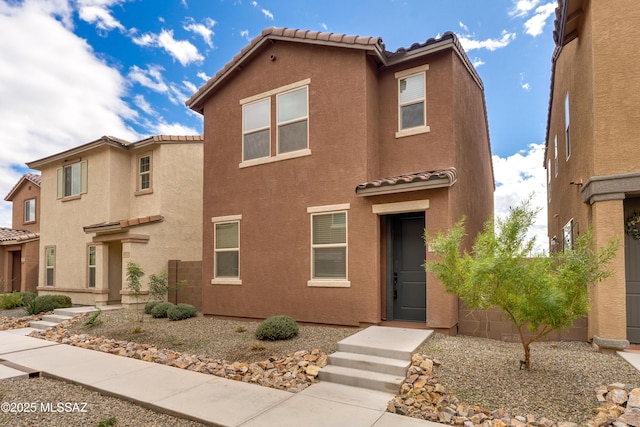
(61, 176)
(225, 280)
(332, 282)
(568, 236)
(140, 174)
(274, 124)
(549, 179)
(555, 154)
(51, 267)
(27, 210)
(403, 75)
(92, 279)
(280, 124)
(567, 121)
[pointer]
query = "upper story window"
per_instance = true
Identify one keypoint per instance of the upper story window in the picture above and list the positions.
(412, 100)
(145, 181)
(291, 124)
(566, 126)
(30, 210)
(555, 154)
(72, 180)
(549, 179)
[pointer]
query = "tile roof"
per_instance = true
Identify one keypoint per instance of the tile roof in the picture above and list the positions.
(117, 142)
(32, 177)
(373, 44)
(123, 223)
(11, 235)
(412, 181)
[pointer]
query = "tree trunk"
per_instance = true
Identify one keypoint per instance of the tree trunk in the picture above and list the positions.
(527, 355)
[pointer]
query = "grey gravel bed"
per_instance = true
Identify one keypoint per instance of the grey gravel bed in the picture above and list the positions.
(44, 394)
(560, 385)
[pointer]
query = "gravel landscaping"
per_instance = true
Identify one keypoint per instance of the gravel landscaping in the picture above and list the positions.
(481, 373)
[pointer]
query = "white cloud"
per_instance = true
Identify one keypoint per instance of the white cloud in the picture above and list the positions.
(203, 76)
(324, 26)
(517, 177)
(189, 86)
(267, 14)
(56, 94)
(523, 7)
(150, 78)
(464, 27)
(97, 12)
(535, 25)
(142, 104)
(204, 30)
(470, 44)
(181, 50)
(477, 62)
(245, 34)
(524, 84)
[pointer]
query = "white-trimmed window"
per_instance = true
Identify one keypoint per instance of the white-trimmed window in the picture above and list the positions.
(566, 125)
(293, 115)
(549, 179)
(412, 101)
(30, 210)
(329, 254)
(555, 154)
(291, 124)
(50, 264)
(144, 173)
(256, 130)
(91, 266)
(226, 248)
(567, 236)
(72, 179)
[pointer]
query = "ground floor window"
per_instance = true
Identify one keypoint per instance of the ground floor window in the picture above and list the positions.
(226, 249)
(92, 266)
(50, 263)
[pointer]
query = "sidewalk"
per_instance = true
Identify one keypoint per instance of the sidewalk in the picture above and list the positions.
(200, 397)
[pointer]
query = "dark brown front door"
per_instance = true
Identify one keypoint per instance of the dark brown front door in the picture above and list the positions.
(632, 274)
(16, 270)
(406, 284)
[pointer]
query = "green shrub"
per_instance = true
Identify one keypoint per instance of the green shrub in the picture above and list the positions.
(94, 319)
(26, 297)
(160, 310)
(108, 422)
(149, 306)
(181, 311)
(9, 301)
(277, 328)
(43, 303)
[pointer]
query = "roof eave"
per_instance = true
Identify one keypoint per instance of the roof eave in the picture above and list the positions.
(431, 184)
(105, 140)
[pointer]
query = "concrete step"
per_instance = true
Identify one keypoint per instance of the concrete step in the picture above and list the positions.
(394, 343)
(72, 311)
(361, 378)
(55, 318)
(42, 324)
(384, 365)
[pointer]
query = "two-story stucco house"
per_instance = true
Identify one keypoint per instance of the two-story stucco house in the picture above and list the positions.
(108, 202)
(19, 244)
(592, 158)
(325, 158)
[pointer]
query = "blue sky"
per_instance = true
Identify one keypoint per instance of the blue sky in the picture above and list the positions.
(74, 70)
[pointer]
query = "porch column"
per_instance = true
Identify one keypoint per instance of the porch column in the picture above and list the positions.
(608, 318)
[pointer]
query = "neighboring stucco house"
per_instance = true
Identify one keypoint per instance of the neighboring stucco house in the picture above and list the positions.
(19, 244)
(325, 158)
(592, 157)
(108, 202)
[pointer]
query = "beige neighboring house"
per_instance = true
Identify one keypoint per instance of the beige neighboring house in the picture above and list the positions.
(592, 158)
(109, 202)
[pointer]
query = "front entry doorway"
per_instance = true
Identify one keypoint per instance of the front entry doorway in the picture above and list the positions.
(406, 278)
(632, 274)
(115, 272)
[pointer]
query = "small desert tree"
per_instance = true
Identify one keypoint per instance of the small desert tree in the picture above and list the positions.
(134, 285)
(538, 292)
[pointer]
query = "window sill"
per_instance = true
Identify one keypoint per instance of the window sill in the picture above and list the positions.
(143, 192)
(70, 198)
(277, 158)
(319, 283)
(226, 281)
(413, 131)
(29, 222)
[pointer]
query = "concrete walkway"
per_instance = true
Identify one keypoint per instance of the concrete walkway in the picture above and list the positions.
(206, 398)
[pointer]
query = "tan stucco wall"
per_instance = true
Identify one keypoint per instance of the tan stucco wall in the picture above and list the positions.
(177, 181)
(597, 71)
